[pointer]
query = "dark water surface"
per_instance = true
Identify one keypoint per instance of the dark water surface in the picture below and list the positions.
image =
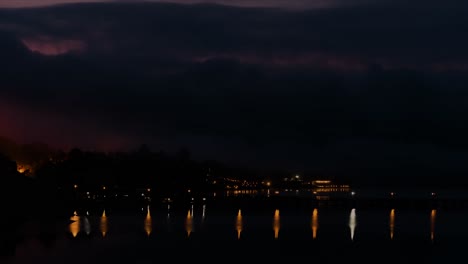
(203, 231)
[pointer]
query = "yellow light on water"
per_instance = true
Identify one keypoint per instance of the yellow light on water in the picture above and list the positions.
(75, 225)
(189, 223)
(433, 219)
(276, 223)
(239, 224)
(148, 222)
(314, 223)
(392, 223)
(103, 224)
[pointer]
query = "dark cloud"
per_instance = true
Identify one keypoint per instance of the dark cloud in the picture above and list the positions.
(386, 34)
(290, 4)
(341, 89)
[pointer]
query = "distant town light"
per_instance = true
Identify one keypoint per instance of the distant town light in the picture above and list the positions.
(75, 186)
(149, 190)
(22, 168)
(322, 182)
(103, 187)
(353, 193)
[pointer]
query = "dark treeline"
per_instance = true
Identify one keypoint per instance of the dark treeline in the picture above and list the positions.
(53, 185)
(58, 173)
(164, 173)
(54, 175)
(19, 200)
(53, 178)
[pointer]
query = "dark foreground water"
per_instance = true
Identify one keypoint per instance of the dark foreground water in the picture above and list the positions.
(207, 232)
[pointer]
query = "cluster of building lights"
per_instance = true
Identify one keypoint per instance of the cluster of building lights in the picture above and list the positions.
(321, 187)
(230, 183)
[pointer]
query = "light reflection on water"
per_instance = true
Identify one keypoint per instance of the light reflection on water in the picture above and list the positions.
(189, 222)
(314, 223)
(148, 222)
(276, 223)
(87, 225)
(203, 213)
(254, 227)
(433, 220)
(103, 224)
(392, 223)
(352, 222)
(84, 223)
(75, 225)
(239, 224)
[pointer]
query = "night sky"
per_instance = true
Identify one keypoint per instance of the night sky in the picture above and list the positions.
(338, 85)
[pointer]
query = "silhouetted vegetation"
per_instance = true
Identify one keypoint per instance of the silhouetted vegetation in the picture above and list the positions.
(60, 178)
(15, 190)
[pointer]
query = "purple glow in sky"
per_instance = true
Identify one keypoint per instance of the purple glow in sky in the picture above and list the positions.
(289, 4)
(38, 3)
